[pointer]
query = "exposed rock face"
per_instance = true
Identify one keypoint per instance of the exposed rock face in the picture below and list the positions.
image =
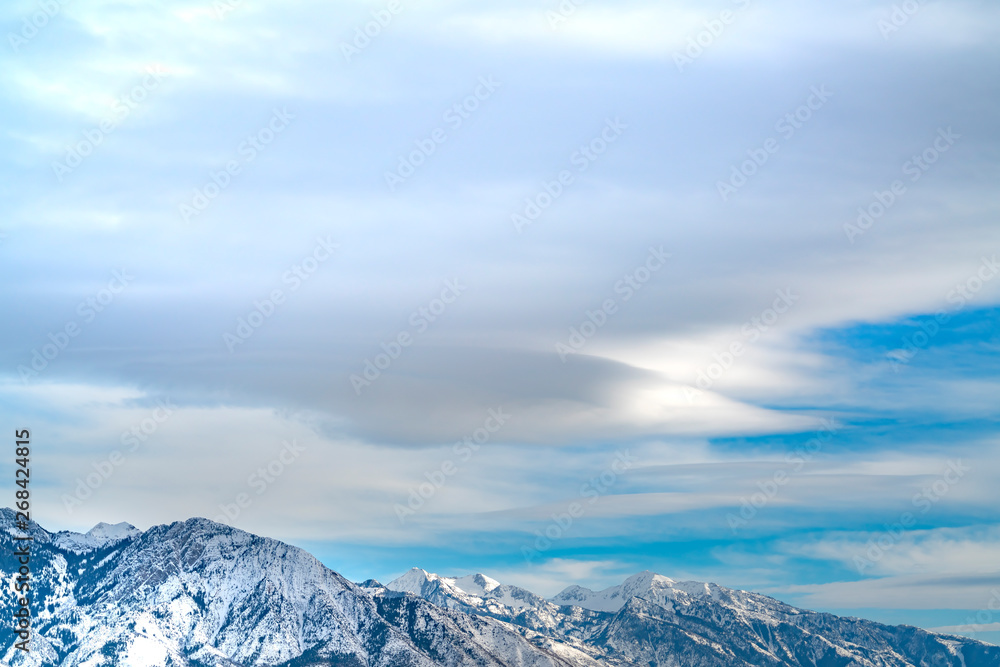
(197, 593)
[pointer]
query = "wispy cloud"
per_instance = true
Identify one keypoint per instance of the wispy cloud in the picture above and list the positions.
(764, 322)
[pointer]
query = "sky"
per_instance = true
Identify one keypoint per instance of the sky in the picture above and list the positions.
(553, 291)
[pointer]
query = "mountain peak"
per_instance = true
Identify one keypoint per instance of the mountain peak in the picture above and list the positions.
(644, 584)
(98, 537)
(647, 578)
(419, 582)
(201, 592)
(476, 584)
(416, 581)
(117, 531)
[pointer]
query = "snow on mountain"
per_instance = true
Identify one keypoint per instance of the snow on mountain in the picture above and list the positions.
(476, 584)
(420, 582)
(652, 620)
(646, 584)
(101, 535)
(475, 590)
(196, 594)
(371, 586)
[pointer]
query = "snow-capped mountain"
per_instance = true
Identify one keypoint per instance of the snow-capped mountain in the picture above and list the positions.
(476, 590)
(101, 535)
(647, 585)
(652, 620)
(507, 603)
(197, 593)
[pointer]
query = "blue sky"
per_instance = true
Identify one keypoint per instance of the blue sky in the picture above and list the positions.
(758, 272)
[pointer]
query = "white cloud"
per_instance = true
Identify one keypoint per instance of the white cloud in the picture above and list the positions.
(969, 591)
(551, 577)
(628, 386)
(893, 552)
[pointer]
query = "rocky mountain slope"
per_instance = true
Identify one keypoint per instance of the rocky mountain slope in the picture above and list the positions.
(652, 620)
(197, 593)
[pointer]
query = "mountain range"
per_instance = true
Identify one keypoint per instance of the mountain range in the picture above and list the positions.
(197, 593)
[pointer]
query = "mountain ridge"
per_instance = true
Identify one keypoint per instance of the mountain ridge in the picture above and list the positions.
(195, 593)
